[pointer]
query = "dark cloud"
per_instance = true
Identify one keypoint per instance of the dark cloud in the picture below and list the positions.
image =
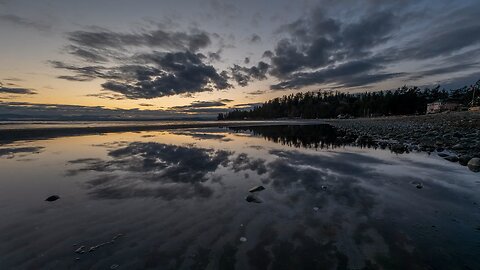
(158, 38)
(256, 93)
(247, 106)
(445, 38)
(26, 110)
(268, 54)
(15, 90)
(204, 104)
(244, 75)
(321, 42)
(24, 22)
(322, 49)
(214, 56)
(350, 74)
(87, 55)
(107, 95)
(254, 38)
(444, 70)
(162, 74)
(130, 70)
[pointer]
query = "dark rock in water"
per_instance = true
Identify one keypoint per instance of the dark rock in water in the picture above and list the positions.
(324, 187)
(443, 155)
(452, 158)
(464, 159)
(257, 188)
(474, 164)
(52, 198)
(419, 185)
(253, 198)
(80, 250)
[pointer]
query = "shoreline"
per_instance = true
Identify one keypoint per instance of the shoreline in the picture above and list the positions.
(454, 136)
(37, 131)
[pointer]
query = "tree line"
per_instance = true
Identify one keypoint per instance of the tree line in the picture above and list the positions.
(329, 104)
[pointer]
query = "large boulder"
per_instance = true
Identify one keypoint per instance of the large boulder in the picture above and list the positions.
(474, 164)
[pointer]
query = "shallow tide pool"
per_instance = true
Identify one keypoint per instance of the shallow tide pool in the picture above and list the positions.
(176, 200)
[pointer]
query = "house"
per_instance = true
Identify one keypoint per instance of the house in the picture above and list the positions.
(474, 109)
(442, 106)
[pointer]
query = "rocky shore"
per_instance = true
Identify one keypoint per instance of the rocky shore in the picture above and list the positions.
(454, 136)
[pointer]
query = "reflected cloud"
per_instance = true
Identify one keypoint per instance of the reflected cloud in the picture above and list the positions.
(152, 170)
(19, 151)
(244, 162)
(203, 136)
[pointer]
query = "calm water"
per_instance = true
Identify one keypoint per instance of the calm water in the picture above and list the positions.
(176, 200)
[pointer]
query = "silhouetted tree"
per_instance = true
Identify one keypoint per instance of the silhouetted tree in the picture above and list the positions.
(328, 104)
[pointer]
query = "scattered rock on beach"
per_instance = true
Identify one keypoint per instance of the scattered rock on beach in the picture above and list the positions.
(464, 159)
(256, 188)
(474, 164)
(451, 158)
(253, 198)
(52, 198)
(442, 155)
(80, 250)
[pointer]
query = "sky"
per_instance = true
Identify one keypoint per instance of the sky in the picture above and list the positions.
(196, 58)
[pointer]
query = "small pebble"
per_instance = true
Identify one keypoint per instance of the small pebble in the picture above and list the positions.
(52, 198)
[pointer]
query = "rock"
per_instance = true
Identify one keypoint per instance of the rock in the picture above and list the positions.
(117, 236)
(253, 198)
(324, 187)
(316, 209)
(114, 266)
(443, 155)
(464, 159)
(458, 147)
(474, 164)
(419, 185)
(452, 158)
(256, 188)
(80, 250)
(243, 239)
(52, 198)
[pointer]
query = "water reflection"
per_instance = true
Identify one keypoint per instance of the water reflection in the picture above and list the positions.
(152, 169)
(11, 152)
(179, 198)
(317, 136)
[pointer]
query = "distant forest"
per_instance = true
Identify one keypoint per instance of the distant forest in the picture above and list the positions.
(329, 104)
